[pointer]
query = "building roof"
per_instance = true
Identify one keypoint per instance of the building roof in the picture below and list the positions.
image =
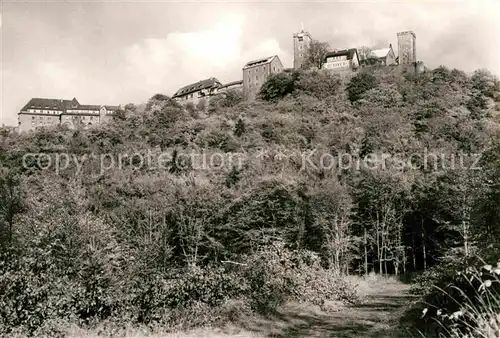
(194, 87)
(61, 104)
(88, 107)
(260, 61)
(380, 53)
(344, 52)
(51, 104)
(234, 83)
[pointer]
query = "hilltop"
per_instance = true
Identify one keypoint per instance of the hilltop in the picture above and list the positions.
(183, 218)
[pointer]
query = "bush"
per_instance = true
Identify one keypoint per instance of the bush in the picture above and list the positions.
(277, 274)
(320, 84)
(360, 84)
(278, 86)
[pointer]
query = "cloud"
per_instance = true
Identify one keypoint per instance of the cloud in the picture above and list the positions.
(57, 77)
(164, 65)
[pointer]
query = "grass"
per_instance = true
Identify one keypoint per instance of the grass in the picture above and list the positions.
(478, 315)
(376, 316)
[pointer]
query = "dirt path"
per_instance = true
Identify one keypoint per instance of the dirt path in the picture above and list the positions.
(376, 317)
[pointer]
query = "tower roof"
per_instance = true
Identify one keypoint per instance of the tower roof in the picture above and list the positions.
(407, 33)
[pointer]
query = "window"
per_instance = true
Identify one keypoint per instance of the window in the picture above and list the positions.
(256, 78)
(32, 117)
(301, 38)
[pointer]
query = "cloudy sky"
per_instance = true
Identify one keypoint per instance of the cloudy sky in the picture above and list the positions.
(116, 52)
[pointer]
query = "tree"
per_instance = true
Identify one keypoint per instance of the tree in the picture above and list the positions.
(359, 84)
(366, 56)
(10, 204)
(332, 217)
(278, 86)
(315, 54)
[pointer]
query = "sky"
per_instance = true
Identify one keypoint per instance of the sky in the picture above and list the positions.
(116, 52)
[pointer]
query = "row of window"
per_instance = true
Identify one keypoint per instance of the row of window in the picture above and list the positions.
(57, 112)
(42, 123)
(189, 96)
(198, 93)
(84, 111)
(333, 58)
(337, 64)
(90, 118)
(83, 118)
(44, 111)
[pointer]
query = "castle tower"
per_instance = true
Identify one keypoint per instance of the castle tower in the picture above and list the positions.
(301, 42)
(407, 48)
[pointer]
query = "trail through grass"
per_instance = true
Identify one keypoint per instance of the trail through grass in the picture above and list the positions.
(377, 317)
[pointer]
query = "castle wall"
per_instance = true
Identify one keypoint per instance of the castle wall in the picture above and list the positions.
(407, 49)
(31, 121)
(254, 77)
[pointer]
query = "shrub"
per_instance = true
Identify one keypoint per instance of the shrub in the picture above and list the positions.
(278, 86)
(228, 99)
(320, 84)
(276, 274)
(202, 105)
(270, 275)
(360, 84)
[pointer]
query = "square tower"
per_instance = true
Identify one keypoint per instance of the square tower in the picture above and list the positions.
(407, 49)
(301, 43)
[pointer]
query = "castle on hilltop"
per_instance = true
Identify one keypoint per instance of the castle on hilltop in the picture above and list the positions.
(256, 72)
(39, 112)
(349, 59)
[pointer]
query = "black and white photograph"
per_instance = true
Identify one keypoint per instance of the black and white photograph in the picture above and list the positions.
(250, 169)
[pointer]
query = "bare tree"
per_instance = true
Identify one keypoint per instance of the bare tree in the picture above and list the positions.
(364, 52)
(315, 56)
(366, 55)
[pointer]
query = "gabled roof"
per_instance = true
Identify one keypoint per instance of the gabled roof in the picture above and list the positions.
(54, 104)
(194, 87)
(344, 52)
(380, 53)
(260, 61)
(61, 104)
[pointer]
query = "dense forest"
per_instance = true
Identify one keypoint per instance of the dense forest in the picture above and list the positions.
(150, 219)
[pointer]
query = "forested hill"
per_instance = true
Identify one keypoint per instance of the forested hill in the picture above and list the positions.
(417, 187)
